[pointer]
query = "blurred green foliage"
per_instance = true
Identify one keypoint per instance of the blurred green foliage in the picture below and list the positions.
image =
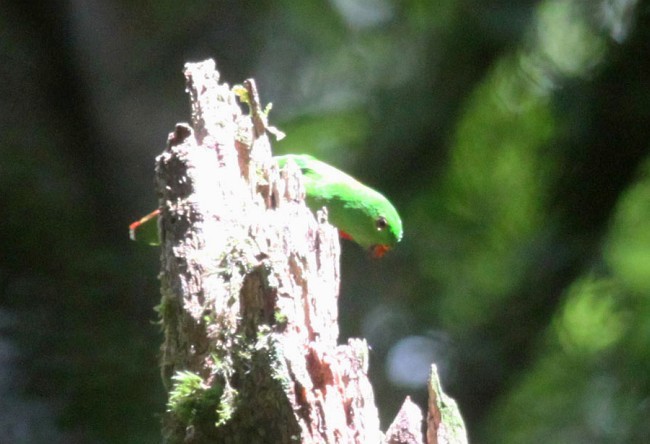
(512, 136)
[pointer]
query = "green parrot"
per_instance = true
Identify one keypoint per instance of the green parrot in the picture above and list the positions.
(360, 213)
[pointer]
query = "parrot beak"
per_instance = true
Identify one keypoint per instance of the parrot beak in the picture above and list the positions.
(378, 251)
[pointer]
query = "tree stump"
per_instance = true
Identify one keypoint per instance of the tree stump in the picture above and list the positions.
(250, 282)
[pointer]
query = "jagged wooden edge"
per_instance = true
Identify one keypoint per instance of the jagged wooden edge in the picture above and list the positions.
(249, 282)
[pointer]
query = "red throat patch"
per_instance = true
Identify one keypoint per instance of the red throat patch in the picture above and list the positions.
(345, 235)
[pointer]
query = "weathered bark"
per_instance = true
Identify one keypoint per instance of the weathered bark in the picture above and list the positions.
(445, 424)
(250, 281)
(406, 427)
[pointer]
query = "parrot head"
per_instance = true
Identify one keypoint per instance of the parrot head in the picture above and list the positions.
(385, 229)
(360, 213)
(369, 219)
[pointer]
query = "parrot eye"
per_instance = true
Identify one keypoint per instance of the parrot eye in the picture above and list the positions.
(381, 223)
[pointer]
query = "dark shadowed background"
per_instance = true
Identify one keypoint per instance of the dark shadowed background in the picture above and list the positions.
(512, 137)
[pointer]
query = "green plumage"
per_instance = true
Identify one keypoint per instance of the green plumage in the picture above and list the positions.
(359, 212)
(355, 209)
